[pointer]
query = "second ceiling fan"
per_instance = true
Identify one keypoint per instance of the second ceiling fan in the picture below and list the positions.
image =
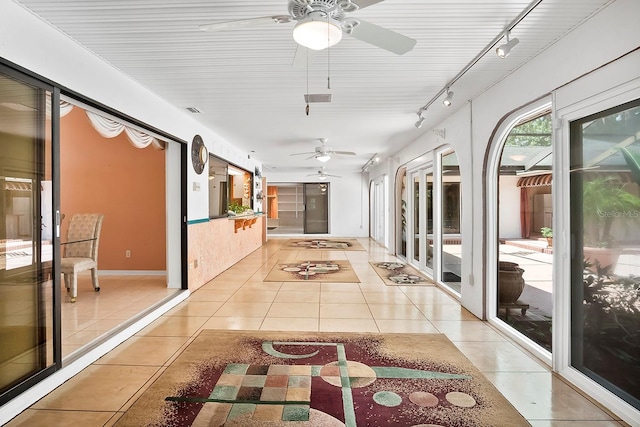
(324, 153)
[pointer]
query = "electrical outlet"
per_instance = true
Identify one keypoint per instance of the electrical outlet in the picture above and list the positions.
(127, 253)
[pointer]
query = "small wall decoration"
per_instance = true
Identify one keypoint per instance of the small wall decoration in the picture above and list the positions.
(199, 154)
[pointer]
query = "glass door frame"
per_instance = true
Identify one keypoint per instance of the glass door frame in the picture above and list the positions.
(563, 241)
(491, 231)
(421, 174)
(55, 311)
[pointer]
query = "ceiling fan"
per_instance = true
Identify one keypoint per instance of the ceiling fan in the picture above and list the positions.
(321, 24)
(323, 153)
(322, 175)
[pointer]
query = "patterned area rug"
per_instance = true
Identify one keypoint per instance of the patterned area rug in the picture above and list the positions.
(398, 273)
(319, 271)
(326, 244)
(242, 378)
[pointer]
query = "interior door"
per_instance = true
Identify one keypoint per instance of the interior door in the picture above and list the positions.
(316, 213)
(26, 233)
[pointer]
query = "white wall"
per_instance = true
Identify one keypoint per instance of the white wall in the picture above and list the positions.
(348, 200)
(510, 208)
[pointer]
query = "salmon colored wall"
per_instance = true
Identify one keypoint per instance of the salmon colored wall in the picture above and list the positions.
(126, 184)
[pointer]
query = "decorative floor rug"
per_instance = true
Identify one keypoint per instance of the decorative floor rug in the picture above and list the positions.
(319, 271)
(252, 378)
(326, 244)
(398, 273)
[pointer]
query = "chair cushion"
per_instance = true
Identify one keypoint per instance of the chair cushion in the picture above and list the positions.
(74, 265)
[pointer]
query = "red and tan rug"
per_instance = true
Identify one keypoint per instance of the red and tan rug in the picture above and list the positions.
(243, 378)
(319, 271)
(324, 244)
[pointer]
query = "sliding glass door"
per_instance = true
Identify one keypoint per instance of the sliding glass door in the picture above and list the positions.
(26, 233)
(316, 208)
(605, 236)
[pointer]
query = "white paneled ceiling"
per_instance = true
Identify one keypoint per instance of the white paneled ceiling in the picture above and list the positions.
(248, 91)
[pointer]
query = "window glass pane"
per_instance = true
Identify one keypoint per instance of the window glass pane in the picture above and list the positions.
(525, 246)
(605, 211)
(26, 287)
(450, 214)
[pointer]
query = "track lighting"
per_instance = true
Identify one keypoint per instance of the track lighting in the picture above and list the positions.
(505, 49)
(447, 100)
(420, 121)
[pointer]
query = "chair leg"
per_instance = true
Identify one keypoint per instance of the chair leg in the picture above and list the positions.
(74, 286)
(94, 279)
(66, 281)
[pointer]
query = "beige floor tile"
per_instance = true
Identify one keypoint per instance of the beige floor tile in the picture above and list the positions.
(224, 285)
(297, 296)
(249, 295)
(290, 324)
(397, 298)
(243, 308)
(345, 311)
(261, 286)
(298, 309)
(446, 312)
(542, 396)
(234, 323)
(141, 350)
(348, 325)
(301, 286)
(342, 297)
(114, 419)
(98, 388)
(392, 311)
(210, 295)
(504, 356)
(43, 417)
(339, 287)
(195, 308)
(178, 326)
(406, 326)
(467, 330)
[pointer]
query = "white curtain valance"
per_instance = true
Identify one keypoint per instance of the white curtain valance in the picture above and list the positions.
(65, 108)
(109, 128)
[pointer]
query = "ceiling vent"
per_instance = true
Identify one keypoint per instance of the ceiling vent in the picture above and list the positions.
(194, 110)
(317, 97)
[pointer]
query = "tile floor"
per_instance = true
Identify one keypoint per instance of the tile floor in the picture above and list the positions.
(239, 299)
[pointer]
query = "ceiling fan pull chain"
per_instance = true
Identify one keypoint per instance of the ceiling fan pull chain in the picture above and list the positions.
(328, 54)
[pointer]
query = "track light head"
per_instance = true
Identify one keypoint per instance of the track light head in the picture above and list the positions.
(419, 122)
(448, 99)
(505, 49)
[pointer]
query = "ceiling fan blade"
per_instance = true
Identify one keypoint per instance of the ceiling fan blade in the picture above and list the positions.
(240, 23)
(303, 57)
(383, 38)
(366, 3)
(335, 176)
(300, 154)
(350, 153)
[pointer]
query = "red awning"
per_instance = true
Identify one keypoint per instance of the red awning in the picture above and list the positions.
(535, 181)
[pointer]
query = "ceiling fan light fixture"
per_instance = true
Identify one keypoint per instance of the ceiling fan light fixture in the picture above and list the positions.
(322, 177)
(323, 157)
(317, 32)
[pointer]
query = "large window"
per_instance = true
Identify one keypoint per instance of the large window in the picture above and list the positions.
(605, 265)
(525, 247)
